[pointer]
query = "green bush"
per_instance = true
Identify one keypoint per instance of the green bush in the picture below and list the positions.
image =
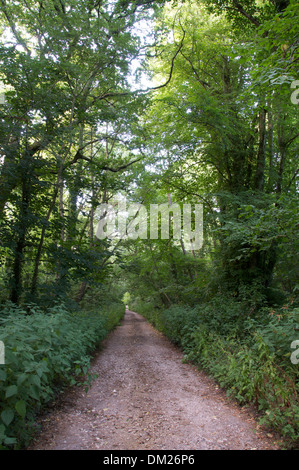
(43, 352)
(177, 321)
(148, 311)
(249, 358)
(278, 329)
(251, 375)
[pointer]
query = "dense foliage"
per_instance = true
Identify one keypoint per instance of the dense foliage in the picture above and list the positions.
(178, 102)
(250, 360)
(44, 352)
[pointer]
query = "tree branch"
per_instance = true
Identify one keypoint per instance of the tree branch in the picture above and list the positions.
(13, 27)
(238, 7)
(79, 156)
(126, 93)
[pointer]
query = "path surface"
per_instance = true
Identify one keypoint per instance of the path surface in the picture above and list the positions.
(146, 398)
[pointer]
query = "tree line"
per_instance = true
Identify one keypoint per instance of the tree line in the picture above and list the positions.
(217, 127)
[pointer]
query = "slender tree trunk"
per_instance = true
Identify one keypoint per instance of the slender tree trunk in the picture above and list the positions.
(16, 283)
(41, 242)
(8, 181)
(261, 155)
(190, 273)
(84, 285)
(163, 295)
(82, 292)
(16, 280)
(61, 204)
(270, 148)
(283, 153)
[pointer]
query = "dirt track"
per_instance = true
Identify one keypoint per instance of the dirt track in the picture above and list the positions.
(146, 399)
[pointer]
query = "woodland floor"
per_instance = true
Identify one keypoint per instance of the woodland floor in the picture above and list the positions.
(145, 398)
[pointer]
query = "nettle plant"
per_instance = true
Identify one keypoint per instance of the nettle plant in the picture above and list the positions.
(44, 352)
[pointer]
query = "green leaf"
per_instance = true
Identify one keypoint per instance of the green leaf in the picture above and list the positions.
(34, 392)
(2, 431)
(21, 408)
(7, 416)
(22, 378)
(10, 440)
(11, 390)
(3, 375)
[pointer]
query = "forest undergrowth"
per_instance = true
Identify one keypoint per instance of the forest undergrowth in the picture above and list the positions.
(253, 364)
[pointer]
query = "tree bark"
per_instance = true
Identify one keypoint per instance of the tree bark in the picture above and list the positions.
(41, 242)
(16, 280)
(261, 155)
(283, 153)
(82, 292)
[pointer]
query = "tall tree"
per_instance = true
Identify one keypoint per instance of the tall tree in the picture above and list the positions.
(221, 116)
(65, 66)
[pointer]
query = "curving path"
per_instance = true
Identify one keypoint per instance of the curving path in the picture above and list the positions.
(145, 398)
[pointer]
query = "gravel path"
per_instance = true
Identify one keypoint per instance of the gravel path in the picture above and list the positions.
(145, 398)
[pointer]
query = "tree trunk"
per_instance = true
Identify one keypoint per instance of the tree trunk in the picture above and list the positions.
(16, 280)
(82, 292)
(271, 149)
(283, 153)
(41, 242)
(8, 181)
(259, 180)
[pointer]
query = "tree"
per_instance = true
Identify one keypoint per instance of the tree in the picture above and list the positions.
(65, 66)
(228, 131)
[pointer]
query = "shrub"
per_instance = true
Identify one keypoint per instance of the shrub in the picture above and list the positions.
(176, 320)
(251, 375)
(43, 352)
(249, 358)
